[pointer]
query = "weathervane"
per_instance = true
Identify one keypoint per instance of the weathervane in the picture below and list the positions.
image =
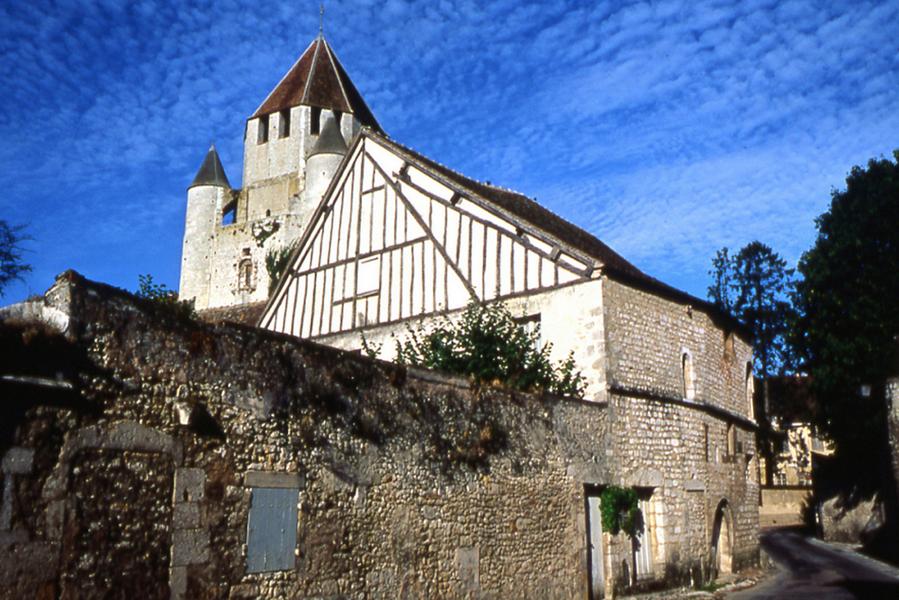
(321, 18)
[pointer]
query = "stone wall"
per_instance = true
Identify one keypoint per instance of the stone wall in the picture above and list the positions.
(411, 484)
(684, 453)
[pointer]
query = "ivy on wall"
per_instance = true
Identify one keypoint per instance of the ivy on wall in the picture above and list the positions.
(620, 511)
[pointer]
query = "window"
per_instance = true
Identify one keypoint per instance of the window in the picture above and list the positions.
(262, 133)
(229, 213)
(731, 440)
(315, 120)
(750, 390)
(245, 275)
(705, 437)
(531, 326)
(689, 383)
(272, 530)
(284, 123)
(368, 277)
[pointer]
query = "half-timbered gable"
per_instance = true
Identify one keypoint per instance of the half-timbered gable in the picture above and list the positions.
(394, 238)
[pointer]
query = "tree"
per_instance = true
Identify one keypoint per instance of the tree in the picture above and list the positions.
(849, 322)
(487, 344)
(754, 286)
(12, 266)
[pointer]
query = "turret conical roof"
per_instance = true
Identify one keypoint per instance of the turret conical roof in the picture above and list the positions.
(329, 141)
(211, 171)
(318, 79)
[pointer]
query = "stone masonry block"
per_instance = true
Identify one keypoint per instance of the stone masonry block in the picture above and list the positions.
(190, 547)
(189, 485)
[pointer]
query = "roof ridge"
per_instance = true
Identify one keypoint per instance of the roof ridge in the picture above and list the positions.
(311, 75)
(333, 60)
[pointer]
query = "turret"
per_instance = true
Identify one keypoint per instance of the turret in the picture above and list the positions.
(208, 196)
(323, 160)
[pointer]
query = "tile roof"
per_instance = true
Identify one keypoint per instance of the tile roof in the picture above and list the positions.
(318, 79)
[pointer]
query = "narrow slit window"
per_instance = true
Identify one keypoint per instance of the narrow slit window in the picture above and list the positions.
(689, 377)
(315, 120)
(285, 123)
(262, 134)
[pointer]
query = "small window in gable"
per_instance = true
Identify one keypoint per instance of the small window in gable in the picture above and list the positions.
(262, 132)
(272, 530)
(689, 377)
(229, 213)
(368, 277)
(284, 124)
(315, 119)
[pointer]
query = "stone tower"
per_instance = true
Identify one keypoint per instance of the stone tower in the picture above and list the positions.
(293, 144)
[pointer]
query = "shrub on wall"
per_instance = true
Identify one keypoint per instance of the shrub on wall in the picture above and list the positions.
(489, 346)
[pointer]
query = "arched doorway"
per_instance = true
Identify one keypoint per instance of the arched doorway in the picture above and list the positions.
(722, 540)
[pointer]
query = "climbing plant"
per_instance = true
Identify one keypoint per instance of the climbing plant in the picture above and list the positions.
(164, 297)
(275, 264)
(620, 511)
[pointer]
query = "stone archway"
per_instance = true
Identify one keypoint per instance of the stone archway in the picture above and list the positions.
(722, 540)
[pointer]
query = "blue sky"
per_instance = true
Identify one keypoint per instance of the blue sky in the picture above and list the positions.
(668, 129)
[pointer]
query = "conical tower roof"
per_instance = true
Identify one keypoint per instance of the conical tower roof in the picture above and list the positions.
(318, 79)
(329, 141)
(211, 171)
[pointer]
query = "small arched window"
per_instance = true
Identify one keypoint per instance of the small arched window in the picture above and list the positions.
(689, 376)
(245, 275)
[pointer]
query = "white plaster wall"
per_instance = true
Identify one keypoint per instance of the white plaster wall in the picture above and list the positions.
(571, 319)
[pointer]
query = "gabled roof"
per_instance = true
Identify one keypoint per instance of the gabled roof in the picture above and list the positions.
(211, 171)
(574, 237)
(318, 79)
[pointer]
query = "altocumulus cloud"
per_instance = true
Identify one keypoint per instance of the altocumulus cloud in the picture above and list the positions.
(668, 129)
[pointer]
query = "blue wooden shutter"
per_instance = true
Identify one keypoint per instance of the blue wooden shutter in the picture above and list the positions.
(272, 530)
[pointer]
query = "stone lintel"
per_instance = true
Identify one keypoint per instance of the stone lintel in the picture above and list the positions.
(274, 479)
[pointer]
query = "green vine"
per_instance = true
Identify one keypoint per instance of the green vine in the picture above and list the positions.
(275, 264)
(620, 511)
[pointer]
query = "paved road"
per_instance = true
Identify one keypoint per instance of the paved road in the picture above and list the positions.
(810, 568)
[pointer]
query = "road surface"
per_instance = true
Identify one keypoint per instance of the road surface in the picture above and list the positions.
(810, 568)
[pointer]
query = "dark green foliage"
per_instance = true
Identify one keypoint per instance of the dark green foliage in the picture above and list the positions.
(162, 296)
(11, 265)
(849, 322)
(620, 511)
(754, 286)
(488, 345)
(275, 264)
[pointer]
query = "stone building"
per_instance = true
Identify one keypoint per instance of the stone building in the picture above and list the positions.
(274, 461)
(149, 454)
(291, 145)
(399, 240)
